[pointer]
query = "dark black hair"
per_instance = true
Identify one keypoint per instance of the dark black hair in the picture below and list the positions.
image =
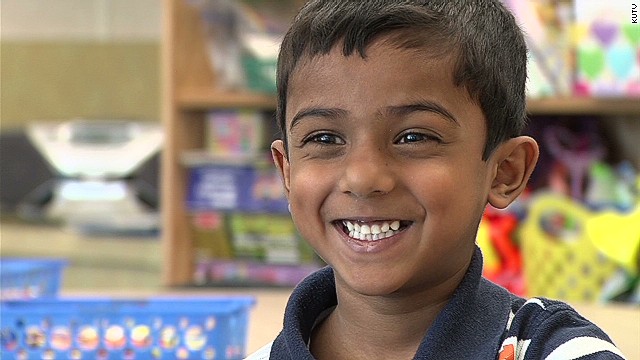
(487, 45)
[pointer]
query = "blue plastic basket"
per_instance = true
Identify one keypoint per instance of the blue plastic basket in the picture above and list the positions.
(22, 278)
(157, 328)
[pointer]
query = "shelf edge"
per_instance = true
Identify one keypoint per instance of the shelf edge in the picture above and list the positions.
(583, 106)
(203, 99)
(199, 99)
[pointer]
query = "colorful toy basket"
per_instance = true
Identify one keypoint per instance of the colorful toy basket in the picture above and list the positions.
(159, 328)
(560, 260)
(22, 278)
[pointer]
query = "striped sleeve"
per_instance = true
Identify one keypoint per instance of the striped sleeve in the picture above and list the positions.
(551, 330)
(261, 354)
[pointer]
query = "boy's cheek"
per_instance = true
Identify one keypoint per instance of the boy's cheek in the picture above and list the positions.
(308, 188)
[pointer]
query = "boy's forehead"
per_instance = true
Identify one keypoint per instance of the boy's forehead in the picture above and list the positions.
(393, 43)
(319, 68)
(384, 78)
(381, 50)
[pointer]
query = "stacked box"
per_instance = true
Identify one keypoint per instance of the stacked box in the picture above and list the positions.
(235, 133)
(253, 188)
(250, 249)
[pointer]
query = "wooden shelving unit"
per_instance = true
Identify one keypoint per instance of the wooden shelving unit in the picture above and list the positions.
(584, 106)
(189, 92)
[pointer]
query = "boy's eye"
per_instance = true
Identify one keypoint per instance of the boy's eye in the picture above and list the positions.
(325, 139)
(414, 137)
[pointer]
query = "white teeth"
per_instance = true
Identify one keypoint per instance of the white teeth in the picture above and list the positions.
(349, 225)
(372, 232)
(395, 225)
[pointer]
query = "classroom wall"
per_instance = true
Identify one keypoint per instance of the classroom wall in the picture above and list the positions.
(64, 59)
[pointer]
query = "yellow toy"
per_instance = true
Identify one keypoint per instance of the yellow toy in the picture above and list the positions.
(617, 236)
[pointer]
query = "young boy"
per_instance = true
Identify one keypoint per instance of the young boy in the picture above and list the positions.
(401, 121)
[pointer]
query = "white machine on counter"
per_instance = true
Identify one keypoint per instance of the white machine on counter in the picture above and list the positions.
(93, 161)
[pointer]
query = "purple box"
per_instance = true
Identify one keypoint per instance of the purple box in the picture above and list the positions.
(245, 188)
(251, 273)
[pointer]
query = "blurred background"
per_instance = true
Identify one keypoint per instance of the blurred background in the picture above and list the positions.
(134, 142)
(76, 61)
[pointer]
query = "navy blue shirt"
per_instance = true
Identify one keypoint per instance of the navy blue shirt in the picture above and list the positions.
(481, 321)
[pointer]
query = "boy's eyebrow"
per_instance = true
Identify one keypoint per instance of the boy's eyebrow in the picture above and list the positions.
(423, 105)
(331, 113)
(399, 110)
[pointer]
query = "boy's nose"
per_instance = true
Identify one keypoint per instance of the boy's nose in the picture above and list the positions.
(367, 173)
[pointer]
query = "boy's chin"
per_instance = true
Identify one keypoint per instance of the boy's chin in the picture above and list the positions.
(370, 284)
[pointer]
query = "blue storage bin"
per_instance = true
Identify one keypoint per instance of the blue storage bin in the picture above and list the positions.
(155, 328)
(22, 278)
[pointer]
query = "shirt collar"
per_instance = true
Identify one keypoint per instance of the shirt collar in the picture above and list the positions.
(462, 330)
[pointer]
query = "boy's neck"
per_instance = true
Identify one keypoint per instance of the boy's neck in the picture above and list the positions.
(368, 327)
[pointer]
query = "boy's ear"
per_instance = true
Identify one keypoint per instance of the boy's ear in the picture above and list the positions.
(514, 160)
(279, 154)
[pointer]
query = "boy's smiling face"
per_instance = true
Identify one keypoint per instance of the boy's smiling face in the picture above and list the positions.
(378, 143)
